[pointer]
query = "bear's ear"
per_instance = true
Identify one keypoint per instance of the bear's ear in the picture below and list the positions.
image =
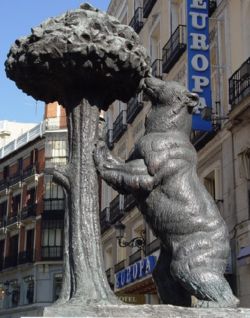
(193, 101)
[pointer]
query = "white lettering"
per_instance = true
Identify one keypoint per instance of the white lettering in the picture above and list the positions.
(199, 42)
(198, 20)
(199, 62)
(199, 82)
(199, 4)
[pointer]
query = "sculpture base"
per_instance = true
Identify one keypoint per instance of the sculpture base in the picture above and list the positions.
(159, 311)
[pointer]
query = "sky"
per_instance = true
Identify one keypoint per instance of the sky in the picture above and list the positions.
(17, 17)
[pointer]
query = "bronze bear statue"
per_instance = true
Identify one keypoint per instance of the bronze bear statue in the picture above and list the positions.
(182, 214)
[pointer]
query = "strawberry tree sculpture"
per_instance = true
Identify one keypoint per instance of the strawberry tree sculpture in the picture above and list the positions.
(85, 60)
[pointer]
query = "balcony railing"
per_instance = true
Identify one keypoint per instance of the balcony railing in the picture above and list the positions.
(147, 7)
(104, 219)
(137, 21)
(119, 126)
(239, 83)
(29, 211)
(25, 257)
(134, 106)
(2, 223)
(54, 205)
(212, 7)
(174, 48)
(15, 178)
(116, 210)
(119, 266)
(129, 202)
(201, 138)
(135, 257)
(52, 252)
(157, 68)
(153, 246)
(29, 171)
(10, 261)
(3, 185)
(12, 219)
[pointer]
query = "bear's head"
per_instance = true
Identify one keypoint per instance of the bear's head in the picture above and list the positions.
(172, 105)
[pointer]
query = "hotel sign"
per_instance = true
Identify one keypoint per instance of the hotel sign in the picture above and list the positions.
(135, 271)
(199, 74)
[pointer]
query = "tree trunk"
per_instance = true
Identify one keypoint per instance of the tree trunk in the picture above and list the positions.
(84, 278)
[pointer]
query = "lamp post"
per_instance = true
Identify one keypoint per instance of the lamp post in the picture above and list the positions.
(138, 241)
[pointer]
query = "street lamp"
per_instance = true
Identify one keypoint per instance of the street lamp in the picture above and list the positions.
(138, 241)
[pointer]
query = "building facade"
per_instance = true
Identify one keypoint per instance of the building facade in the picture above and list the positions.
(223, 153)
(32, 215)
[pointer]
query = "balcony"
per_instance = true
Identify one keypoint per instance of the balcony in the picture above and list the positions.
(174, 48)
(212, 7)
(29, 172)
(147, 7)
(137, 21)
(157, 68)
(110, 139)
(201, 138)
(153, 246)
(10, 261)
(134, 107)
(52, 253)
(119, 266)
(104, 220)
(239, 84)
(29, 211)
(119, 126)
(12, 219)
(3, 185)
(15, 179)
(129, 202)
(25, 257)
(135, 257)
(116, 210)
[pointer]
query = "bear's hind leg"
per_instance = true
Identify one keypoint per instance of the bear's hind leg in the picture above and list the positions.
(210, 287)
(169, 290)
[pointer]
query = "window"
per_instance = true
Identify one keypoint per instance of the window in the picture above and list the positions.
(20, 164)
(29, 289)
(52, 238)
(15, 204)
(52, 190)
(57, 286)
(31, 196)
(56, 151)
(209, 183)
(3, 210)
(6, 172)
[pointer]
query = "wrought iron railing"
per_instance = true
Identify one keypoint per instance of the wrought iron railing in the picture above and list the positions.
(147, 7)
(157, 68)
(134, 106)
(15, 178)
(104, 219)
(136, 256)
(3, 184)
(137, 21)
(239, 83)
(29, 211)
(25, 257)
(153, 246)
(129, 202)
(212, 7)
(10, 261)
(174, 48)
(119, 126)
(119, 266)
(29, 171)
(12, 219)
(116, 210)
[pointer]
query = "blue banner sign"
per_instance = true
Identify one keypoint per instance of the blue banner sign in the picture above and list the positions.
(135, 271)
(199, 74)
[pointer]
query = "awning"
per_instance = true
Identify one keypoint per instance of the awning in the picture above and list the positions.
(244, 252)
